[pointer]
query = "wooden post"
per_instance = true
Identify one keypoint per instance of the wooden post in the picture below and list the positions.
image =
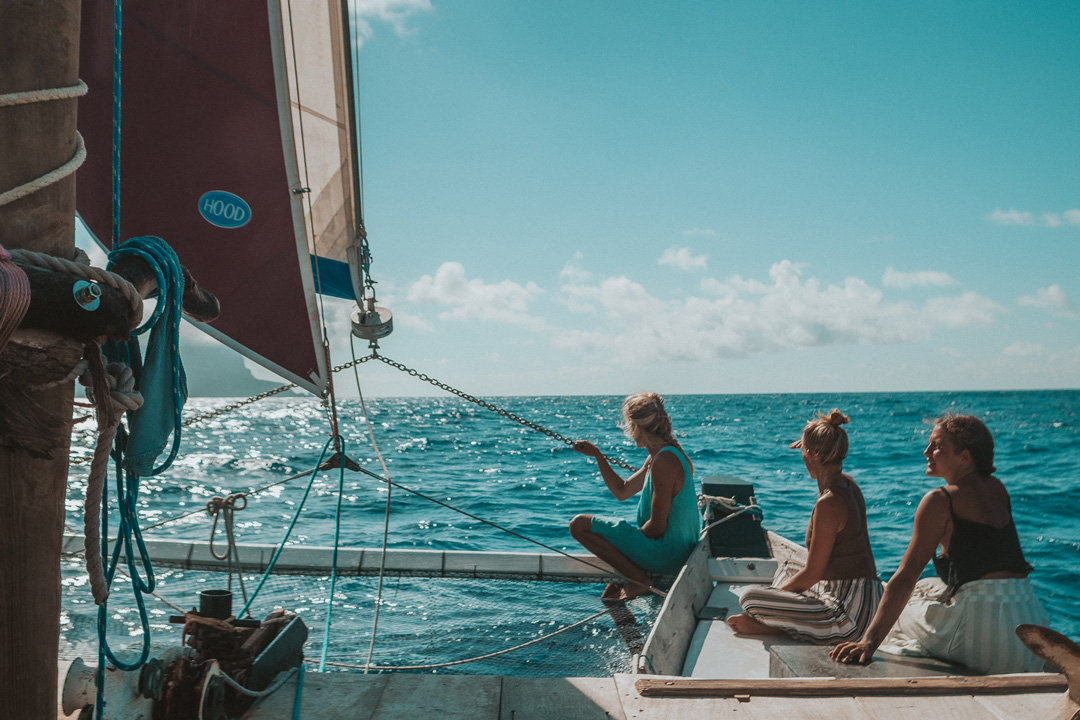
(39, 49)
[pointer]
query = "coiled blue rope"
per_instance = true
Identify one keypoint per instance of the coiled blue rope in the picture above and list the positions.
(160, 377)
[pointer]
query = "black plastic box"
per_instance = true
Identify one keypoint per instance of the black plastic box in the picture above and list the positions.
(742, 536)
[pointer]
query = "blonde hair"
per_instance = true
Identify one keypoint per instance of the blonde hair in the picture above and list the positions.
(823, 436)
(646, 411)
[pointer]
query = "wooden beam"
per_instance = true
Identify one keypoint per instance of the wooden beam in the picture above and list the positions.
(839, 687)
(39, 49)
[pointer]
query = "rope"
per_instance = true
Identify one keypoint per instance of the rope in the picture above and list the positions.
(333, 562)
(472, 659)
(21, 191)
(56, 264)
(114, 388)
(226, 506)
(46, 95)
(609, 571)
(282, 679)
(728, 505)
(386, 515)
(14, 296)
(277, 552)
(35, 96)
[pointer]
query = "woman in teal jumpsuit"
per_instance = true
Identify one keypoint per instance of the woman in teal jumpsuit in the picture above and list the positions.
(668, 520)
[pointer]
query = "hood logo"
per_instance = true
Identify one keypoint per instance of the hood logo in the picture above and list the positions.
(224, 209)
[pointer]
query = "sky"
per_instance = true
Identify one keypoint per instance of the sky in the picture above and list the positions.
(720, 197)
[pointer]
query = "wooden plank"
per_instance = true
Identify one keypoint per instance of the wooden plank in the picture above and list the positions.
(1028, 705)
(670, 638)
(823, 687)
(324, 695)
(446, 697)
(569, 698)
(637, 707)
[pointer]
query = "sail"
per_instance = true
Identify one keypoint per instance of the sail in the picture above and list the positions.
(237, 148)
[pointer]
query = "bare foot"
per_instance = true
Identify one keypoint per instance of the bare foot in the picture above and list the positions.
(746, 625)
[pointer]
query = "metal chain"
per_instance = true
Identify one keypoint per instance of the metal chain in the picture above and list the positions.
(488, 406)
(421, 376)
(237, 405)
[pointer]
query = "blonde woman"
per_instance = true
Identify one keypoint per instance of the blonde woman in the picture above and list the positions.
(833, 597)
(969, 613)
(668, 519)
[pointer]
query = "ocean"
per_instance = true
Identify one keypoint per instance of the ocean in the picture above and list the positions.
(473, 459)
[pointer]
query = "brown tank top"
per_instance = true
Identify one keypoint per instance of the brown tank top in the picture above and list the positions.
(851, 556)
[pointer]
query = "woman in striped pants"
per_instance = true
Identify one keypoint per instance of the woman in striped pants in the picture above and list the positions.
(834, 596)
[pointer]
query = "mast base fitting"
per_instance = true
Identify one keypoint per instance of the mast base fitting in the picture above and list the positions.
(372, 324)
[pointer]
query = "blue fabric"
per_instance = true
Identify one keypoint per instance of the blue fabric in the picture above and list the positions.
(163, 382)
(667, 554)
(332, 277)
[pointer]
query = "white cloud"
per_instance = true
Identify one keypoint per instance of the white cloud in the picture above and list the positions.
(921, 278)
(1011, 217)
(741, 317)
(699, 231)
(394, 12)
(680, 257)
(573, 271)
(1051, 298)
(1022, 349)
(506, 301)
(1024, 217)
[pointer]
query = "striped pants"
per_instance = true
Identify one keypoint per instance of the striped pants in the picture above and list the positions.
(976, 627)
(831, 611)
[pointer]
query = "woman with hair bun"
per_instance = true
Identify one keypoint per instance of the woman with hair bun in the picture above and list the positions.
(833, 597)
(969, 613)
(668, 519)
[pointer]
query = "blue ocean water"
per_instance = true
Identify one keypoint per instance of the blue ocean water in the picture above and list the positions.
(472, 459)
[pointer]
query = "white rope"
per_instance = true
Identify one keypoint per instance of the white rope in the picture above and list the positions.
(46, 95)
(49, 178)
(282, 678)
(89, 272)
(34, 96)
(123, 396)
(733, 508)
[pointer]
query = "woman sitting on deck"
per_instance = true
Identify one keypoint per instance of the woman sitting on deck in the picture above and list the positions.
(668, 519)
(970, 614)
(834, 596)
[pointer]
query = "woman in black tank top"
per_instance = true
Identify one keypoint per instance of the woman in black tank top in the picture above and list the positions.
(970, 614)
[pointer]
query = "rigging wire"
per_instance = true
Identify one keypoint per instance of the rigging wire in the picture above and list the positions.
(386, 515)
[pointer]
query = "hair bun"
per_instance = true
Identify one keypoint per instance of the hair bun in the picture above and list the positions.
(838, 418)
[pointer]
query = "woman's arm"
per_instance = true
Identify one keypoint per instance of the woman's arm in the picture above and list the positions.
(666, 472)
(829, 516)
(620, 489)
(931, 519)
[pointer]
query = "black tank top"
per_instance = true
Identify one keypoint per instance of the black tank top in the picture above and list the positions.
(977, 549)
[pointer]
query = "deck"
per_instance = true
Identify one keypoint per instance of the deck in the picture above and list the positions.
(479, 697)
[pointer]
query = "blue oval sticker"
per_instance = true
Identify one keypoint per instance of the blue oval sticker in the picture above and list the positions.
(224, 209)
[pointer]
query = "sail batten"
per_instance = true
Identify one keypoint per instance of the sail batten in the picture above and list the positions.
(238, 149)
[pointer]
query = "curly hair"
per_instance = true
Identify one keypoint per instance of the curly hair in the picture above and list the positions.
(823, 436)
(967, 432)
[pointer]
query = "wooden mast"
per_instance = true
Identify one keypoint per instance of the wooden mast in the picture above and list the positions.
(39, 49)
